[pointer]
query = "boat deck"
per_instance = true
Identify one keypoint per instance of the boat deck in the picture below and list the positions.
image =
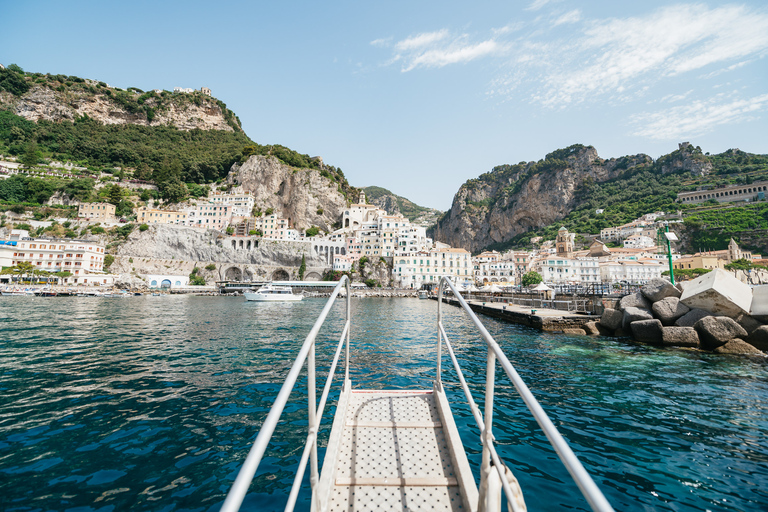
(395, 450)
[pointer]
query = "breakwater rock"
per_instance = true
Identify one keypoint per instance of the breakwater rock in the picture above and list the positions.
(715, 312)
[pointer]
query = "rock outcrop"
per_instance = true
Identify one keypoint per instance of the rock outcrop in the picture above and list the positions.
(514, 199)
(182, 110)
(304, 196)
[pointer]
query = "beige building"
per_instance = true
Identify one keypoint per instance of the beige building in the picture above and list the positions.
(82, 258)
(728, 193)
(427, 267)
(102, 212)
(149, 216)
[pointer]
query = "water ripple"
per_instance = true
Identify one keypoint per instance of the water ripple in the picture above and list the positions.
(152, 403)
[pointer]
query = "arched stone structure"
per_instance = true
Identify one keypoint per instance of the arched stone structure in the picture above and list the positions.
(280, 275)
(233, 274)
(313, 276)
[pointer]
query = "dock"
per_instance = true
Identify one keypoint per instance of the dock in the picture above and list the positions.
(543, 319)
(400, 450)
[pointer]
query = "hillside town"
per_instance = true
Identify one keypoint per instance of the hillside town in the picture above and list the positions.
(629, 254)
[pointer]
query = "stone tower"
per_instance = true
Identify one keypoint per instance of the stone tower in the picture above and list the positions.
(361, 200)
(564, 243)
(734, 252)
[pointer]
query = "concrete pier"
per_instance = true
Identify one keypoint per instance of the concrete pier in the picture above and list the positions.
(549, 320)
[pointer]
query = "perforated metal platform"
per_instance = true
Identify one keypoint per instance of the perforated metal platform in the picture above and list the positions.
(396, 450)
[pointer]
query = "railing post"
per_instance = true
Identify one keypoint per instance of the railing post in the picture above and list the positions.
(438, 378)
(349, 328)
(312, 398)
(487, 434)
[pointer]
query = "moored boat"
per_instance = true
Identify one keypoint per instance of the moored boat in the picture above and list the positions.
(272, 293)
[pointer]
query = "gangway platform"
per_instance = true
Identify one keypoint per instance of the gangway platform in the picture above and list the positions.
(396, 450)
(400, 450)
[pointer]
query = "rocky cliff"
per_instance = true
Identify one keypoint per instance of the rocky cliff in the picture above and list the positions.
(512, 199)
(51, 100)
(394, 204)
(176, 250)
(306, 197)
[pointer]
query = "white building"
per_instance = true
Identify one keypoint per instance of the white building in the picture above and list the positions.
(631, 271)
(427, 267)
(240, 203)
(342, 263)
(638, 241)
(84, 259)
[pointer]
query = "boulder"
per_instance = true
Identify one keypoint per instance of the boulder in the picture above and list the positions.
(718, 292)
(689, 319)
(611, 318)
(680, 336)
(634, 300)
(658, 288)
(647, 331)
(592, 328)
(715, 331)
(633, 314)
(577, 332)
(737, 346)
(669, 309)
(680, 285)
(759, 308)
(759, 338)
(748, 323)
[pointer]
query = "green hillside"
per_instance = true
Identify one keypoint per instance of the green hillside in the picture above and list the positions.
(408, 208)
(645, 190)
(164, 155)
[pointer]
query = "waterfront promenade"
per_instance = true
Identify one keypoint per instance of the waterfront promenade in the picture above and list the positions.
(544, 319)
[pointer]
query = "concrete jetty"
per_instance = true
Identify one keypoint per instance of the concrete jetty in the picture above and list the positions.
(549, 320)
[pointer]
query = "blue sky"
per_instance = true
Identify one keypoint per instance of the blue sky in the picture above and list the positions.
(418, 97)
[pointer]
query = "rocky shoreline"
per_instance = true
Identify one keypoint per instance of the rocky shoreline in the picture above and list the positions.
(714, 312)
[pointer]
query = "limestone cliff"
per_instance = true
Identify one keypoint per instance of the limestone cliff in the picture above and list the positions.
(168, 249)
(513, 199)
(304, 196)
(52, 101)
(394, 204)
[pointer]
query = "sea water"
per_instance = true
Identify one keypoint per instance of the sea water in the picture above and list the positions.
(152, 403)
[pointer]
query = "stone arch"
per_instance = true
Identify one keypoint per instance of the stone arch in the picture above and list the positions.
(166, 283)
(337, 250)
(248, 245)
(234, 244)
(312, 276)
(233, 274)
(280, 275)
(247, 275)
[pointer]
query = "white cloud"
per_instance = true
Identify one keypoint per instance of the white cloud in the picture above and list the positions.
(451, 55)
(440, 48)
(421, 40)
(671, 41)
(537, 4)
(573, 16)
(698, 117)
(383, 42)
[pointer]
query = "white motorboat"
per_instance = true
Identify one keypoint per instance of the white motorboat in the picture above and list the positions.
(271, 293)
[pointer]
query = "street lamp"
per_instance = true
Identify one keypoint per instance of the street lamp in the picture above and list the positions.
(671, 237)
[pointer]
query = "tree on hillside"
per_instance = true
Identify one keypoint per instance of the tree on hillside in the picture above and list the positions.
(115, 195)
(302, 268)
(31, 155)
(532, 278)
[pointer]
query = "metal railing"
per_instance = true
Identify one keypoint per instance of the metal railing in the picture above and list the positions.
(307, 353)
(493, 474)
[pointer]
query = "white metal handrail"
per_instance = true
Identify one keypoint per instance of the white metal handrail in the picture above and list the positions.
(586, 485)
(307, 353)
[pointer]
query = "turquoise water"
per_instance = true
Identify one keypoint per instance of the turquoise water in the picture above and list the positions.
(152, 403)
